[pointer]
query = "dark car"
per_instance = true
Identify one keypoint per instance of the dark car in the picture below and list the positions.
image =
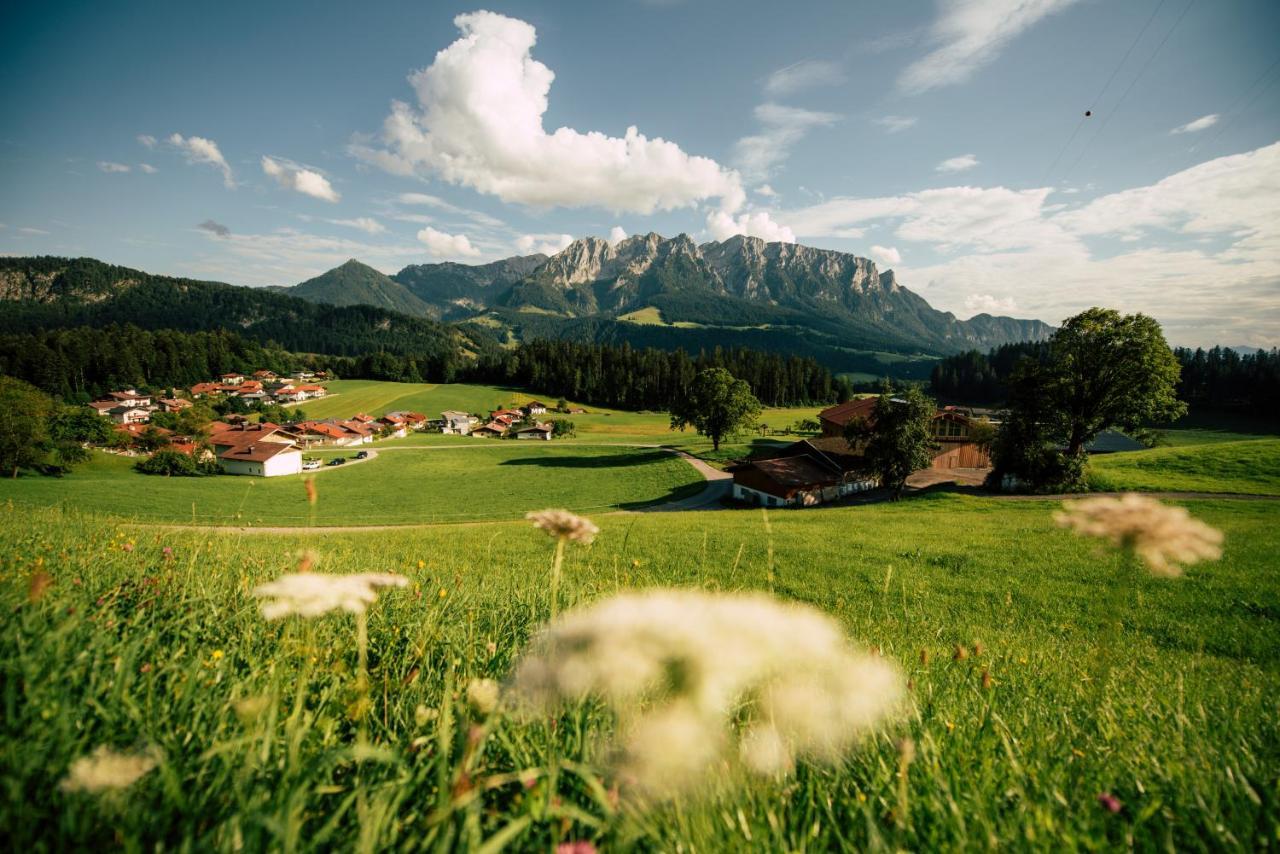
(337, 461)
(362, 455)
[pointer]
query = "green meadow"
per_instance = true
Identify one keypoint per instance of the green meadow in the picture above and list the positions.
(1100, 680)
(1059, 697)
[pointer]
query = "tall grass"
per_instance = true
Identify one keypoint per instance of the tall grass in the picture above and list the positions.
(258, 722)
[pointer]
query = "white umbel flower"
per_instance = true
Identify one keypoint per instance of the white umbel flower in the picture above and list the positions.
(1163, 537)
(678, 667)
(105, 769)
(311, 594)
(562, 523)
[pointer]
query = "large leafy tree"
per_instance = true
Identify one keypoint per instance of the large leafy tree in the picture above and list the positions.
(717, 405)
(24, 426)
(1106, 369)
(897, 439)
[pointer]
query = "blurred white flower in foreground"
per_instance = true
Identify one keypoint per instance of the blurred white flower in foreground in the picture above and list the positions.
(679, 667)
(562, 523)
(311, 594)
(105, 769)
(1163, 537)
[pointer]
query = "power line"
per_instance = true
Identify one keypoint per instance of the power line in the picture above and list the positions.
(1132, 83)
(1229, 115)
(1097, 100)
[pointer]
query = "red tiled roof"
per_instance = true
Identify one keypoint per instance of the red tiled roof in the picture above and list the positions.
(843, 413)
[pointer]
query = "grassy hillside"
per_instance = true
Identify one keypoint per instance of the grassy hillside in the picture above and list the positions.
(1214, 466)
(469, 480)
(254, 719)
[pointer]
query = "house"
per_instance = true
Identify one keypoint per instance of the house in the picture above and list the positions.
(264, 375)
(504, 419)
(395, 424)
(835, 418)
(290, 393)
(576, 410)
(135, 429)
(128, 415)
(262, 459)
(808, 472)
(457, 422)
(324, 433)
(253, 396)
(513, 414)
(952, 431)
(311, 391)
(491, 430)
(534, 407)
(362, 432)
(174, 404)
(232, 379)
(412, 420)
(234, 435)
(535, 431)
(202, 389)
(362, 418)
(103, 407)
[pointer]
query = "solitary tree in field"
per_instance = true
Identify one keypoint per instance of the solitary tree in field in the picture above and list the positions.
(1102, 370)
(717, 405)
(1108, 369)
(897, 439)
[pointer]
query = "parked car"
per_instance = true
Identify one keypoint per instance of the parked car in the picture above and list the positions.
(337, 461)
(310, 465)
(362, 455)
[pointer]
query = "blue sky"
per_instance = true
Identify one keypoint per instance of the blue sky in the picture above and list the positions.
(261, 143)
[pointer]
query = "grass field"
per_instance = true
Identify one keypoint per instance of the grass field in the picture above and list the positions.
(471, 480)
(1216, 466)
(257, 722)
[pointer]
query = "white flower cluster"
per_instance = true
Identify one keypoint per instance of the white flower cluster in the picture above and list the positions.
(1163, 537)
(105, 769)
(310, 594)
(679, 667)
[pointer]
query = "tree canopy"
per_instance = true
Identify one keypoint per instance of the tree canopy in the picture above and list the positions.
(717, 405)
(897, 439)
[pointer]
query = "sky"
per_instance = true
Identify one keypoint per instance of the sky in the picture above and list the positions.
(262, 144)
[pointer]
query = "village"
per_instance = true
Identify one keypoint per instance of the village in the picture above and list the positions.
(238, 444)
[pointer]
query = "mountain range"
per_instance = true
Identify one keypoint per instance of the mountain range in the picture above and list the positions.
(667, 292)
(646, 290)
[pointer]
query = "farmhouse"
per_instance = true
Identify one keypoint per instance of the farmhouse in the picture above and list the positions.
(201, 389)
(232, 379)
(808, 472)
(952, 432)
(412, 420)
(535, 431)
(457, 422)
(264, 375)
(491, 430)
(262, 459)
(534, 407)
(174, 404)
(395, 424)
(128, 414)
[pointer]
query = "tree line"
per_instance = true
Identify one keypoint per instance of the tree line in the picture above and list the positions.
(627, 378)
(1219, 379)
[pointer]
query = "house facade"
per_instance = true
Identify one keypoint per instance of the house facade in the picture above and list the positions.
(952, 429)
(805, 473)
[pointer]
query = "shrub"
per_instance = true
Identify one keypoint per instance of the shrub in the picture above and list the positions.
(172, 463)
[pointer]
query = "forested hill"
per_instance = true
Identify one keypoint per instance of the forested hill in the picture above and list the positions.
(46, 293)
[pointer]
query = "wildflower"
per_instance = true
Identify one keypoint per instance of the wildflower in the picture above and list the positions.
(1163, 537)
(678, 666)
(312, 495)
(167, 551)
(580, 847)
(105, 769)
(960, 654)
(38, 585)
(313, 594)
(1110, 802)
(423, 715)
(987, 681)
(306, 560)
(128, 547)
(491, 648)
(562, 523)
(482, 694)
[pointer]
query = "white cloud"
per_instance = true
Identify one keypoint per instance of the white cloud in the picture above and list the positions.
(722, 226)
(894, 124)
(199, 150)
(108, 166)
(969, 34)
(367, 224)
(217, 229)
(783, 127)
(147, 140)
(546, 244)
(478, 124)
(148, 168)
(1202, 123)
(767, 191)
(617, 234)
(987, 304)
(886, 255)
(294, 177)
(957, 164)
(1214, 276)
(287, 256)
(444, 245)
(32, 232)
(805, 74)
(429, 200)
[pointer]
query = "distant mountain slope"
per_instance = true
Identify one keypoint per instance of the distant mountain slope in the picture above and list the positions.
(53, 293)
(454, 290)
(359, 284)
